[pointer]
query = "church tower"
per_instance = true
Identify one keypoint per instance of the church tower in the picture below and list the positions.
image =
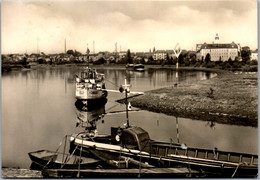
(216, 39)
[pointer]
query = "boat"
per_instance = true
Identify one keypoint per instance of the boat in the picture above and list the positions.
(134, 142)
(49, 159)
(121, 167)
(90, 85)
(135, 67)
(84, 105)
(121, 173)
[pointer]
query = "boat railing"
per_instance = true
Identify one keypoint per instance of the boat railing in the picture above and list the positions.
(168, 150)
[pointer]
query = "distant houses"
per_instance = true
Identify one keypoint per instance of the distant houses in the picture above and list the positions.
(162, 54)
(254, 55)
(216, 51)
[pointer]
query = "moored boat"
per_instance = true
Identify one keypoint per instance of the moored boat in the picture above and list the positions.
(56, 160)
(122, 173)
(90, 85)
(134, 142)
(135, 67)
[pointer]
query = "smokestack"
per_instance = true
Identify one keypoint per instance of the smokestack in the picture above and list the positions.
(65, 46)
(93, 47)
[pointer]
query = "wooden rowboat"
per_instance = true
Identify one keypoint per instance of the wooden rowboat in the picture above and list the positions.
(51, 159)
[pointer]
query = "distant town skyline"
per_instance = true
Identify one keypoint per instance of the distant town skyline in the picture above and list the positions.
(28, 26)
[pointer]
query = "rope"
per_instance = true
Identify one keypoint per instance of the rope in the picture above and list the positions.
(67, 159)
(112, 83)
(78, 175)
(239, 164)
(54, 154)
(64, 149)
(112, 107)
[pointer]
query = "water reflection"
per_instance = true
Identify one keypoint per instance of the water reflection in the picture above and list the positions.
(88, 113)
(211, 124)
(152, 78)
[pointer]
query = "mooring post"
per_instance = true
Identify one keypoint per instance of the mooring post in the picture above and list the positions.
(177, 129)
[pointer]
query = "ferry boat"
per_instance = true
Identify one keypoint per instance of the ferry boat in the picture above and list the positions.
(90, 85)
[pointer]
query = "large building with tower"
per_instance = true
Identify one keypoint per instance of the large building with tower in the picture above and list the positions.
(218, 51)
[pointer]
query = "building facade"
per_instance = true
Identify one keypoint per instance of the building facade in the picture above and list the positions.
(162, 54)
(254, 55)
(218, 51)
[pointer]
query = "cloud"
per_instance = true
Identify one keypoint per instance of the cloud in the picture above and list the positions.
(138, 26)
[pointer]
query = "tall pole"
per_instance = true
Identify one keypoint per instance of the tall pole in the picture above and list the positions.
(87, 55)
(177, 51)
(116, 47)
(93, 47)
(37, 45)
(177, 71)
(127, 90)
(177, 129)
(126, 105)
(65, 46)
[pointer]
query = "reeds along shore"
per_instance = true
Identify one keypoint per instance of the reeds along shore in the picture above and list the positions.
(229, 98)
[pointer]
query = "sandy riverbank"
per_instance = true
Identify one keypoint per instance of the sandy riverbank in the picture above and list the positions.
(229, 98)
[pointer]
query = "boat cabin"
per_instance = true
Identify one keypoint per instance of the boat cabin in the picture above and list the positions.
(90, 74)
(132, 137)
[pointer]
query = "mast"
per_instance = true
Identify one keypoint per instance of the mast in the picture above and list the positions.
(126, 88)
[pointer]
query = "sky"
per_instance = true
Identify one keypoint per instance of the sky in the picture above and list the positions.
(28, 26)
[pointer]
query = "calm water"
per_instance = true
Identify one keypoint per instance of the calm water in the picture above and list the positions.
(38, 111)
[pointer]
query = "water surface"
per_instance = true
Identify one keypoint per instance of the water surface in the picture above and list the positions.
(38, 111)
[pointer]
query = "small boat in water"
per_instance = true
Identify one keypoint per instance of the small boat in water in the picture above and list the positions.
(90, 85)
(135, 67)
(56, 160)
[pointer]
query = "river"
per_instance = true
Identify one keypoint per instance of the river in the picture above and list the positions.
(38, 110)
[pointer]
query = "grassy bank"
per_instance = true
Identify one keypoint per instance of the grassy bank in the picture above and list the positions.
(229, 98)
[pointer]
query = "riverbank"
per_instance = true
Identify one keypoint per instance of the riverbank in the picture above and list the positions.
(20, 173)
(229, 98)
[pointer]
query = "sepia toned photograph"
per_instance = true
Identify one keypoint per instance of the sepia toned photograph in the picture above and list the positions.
(129, 89)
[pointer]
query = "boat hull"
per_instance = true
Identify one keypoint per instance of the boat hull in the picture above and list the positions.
(135, 67)
(90, 94)
(90, 105)
(122, 173)
(49, 159)
(211, 167)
